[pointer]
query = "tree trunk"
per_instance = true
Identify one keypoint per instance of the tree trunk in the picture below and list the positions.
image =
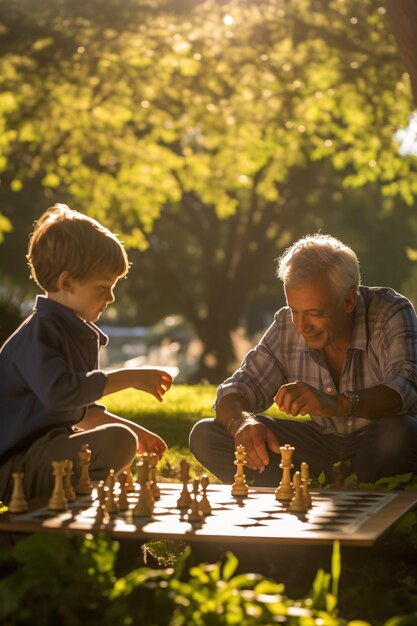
(403, 18)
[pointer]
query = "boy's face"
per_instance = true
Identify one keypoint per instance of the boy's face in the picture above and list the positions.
(89, 298)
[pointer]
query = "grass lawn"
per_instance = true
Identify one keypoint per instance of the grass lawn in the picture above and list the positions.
(173, 418)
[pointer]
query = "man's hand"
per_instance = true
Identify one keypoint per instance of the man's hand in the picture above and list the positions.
(256, 438)
(299, 398)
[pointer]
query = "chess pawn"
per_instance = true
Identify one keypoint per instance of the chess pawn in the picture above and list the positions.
(84, 485)
(130, 484)
(68, 488)
(285, 491)
(184, 501)
(58, 501)
(18, 502)
(109, 484)
(240, 487)
(305, 482)
(205, 505)
(195, 514)
(297, 504)
(102, 515)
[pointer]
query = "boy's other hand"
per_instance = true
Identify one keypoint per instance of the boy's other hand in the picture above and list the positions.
(155, 382)
(150, 442)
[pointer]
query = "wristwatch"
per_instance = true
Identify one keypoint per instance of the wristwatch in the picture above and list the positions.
(354, 401)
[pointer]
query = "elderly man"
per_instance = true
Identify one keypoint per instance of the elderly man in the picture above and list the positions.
(341, 353)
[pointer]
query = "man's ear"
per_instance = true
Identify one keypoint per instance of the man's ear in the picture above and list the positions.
(350, 299)
(64, 282)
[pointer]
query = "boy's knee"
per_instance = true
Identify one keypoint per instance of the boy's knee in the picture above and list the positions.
(118, 445)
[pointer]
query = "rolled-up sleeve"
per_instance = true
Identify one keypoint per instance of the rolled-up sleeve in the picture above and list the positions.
(260, 375)
(399, 353)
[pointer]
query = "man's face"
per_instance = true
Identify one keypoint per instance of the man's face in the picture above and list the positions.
(322, 317)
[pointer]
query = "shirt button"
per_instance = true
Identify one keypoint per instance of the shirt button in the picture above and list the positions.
(328, 389)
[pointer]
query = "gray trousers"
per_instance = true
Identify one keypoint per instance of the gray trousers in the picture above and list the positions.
(113, 446)
(387, 447)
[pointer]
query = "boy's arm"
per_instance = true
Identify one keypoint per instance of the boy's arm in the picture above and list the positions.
(147, 440)
(155, 382)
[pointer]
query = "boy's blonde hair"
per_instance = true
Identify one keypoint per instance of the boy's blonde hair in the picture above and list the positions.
(66, 240)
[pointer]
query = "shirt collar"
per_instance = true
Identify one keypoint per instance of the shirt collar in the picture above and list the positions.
(44, 305)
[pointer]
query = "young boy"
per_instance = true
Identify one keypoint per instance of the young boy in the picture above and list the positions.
(49, 372)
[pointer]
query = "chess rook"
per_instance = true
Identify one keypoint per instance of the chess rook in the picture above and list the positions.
(18, 502)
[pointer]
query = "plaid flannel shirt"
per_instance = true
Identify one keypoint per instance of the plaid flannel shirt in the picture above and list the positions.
(382, 351)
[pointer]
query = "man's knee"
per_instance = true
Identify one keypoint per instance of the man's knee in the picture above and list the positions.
(199, 437)
(395, 435)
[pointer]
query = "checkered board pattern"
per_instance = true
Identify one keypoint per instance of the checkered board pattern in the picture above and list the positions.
(352, 517)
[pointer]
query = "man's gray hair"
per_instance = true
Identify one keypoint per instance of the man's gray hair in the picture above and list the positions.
(318, 254)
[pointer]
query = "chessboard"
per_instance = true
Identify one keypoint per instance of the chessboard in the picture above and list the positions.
(355, 518)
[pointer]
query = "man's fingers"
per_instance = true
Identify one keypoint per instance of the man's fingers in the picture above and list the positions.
(254, 441)
(273, 442)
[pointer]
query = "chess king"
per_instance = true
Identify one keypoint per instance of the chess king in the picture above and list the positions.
(341, 355)
(50, 378)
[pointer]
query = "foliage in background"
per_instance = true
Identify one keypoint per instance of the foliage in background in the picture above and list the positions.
(76, 583)
(55, 579)
(209, 135)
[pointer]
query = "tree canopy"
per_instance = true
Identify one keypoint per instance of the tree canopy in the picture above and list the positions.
(189, 127)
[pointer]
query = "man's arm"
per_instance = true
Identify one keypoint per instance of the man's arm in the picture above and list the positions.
(299, 398)
(233, 414)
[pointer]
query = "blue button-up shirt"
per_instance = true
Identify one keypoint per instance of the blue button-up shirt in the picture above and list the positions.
(48, 373)
(382, 351)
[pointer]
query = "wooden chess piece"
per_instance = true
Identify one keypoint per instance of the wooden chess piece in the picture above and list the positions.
(297, 504)
(145, 504)
(18, 502)
(123, 499)
(195, 514)
(68, 488)
(205, 505)
(240, 487)
(184, 501)
(102, 515)
(284, 491)
(153, 460)
(130, 483)
(84, 485)
(112, 505)
(58, 501)
(305, 483)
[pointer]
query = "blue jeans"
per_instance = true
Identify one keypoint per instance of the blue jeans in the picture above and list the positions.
(387, 447)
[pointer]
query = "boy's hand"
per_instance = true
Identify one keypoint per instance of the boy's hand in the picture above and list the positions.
(155, 382)
(150, 442)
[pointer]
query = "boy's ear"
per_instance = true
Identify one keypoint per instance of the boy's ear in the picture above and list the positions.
(64, 282)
